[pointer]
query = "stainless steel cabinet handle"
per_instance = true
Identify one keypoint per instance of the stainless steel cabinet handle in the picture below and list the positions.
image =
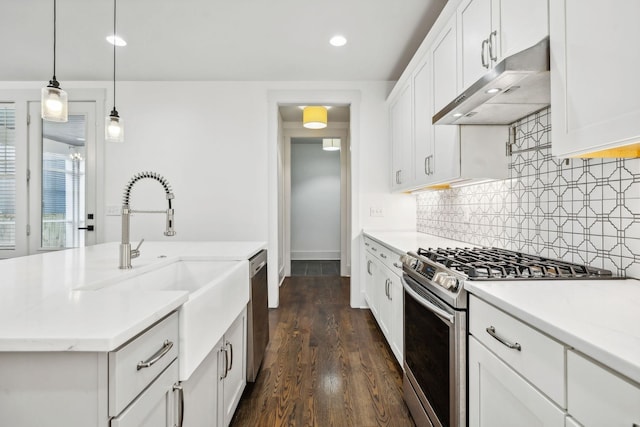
(397, 177)
(389, 290)
(492, 331)
(373, 248)
(386, 288)
(231, 357)
(181, 406)
(426, 167)
(226, 363)
(369, 267)
(168, 345)
(366, 244)
(383, 256)
(396, 265)
(430, 168)
(484, 44)
(492, 55)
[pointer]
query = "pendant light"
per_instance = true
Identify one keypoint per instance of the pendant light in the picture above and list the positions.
(113, 126)
(53, 100)
(331, 144)
(314, 117)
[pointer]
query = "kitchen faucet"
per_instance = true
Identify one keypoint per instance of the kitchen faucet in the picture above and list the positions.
(126, 253)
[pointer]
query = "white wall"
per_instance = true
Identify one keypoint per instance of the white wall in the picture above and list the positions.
(315, 201)
(211, 140)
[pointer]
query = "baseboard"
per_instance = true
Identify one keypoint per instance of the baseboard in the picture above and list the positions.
(315, 255)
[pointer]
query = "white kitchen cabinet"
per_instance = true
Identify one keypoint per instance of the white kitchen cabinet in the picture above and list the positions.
(499, 396)
(154, 407)
(594, 82)
(233, 378)
(401, 140)
(384, 294)
(201, 393)
(94, 389)
(490, 30)
(422, 127)
(599, 397)
(570, 422)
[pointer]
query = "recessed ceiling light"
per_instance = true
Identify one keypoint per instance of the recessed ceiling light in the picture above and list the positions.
(493, 90)
(116, 40)
(338, 40)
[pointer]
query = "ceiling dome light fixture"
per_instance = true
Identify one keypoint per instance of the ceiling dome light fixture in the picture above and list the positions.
(331, 144)
(338, 40)
(53, 100)
(113, 126)
(314, 117)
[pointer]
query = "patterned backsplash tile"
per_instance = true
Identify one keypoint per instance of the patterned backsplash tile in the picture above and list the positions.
(584, 211)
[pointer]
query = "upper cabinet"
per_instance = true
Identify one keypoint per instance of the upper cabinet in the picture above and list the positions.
(422, 112)
(594, 84)
(401, 140)
(490, 30)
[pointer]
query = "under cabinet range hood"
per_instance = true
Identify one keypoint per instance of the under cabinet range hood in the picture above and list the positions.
(513, 89)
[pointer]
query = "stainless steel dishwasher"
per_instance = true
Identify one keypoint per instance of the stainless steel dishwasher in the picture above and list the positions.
(257, 315)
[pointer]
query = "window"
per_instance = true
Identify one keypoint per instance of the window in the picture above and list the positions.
(7, 176)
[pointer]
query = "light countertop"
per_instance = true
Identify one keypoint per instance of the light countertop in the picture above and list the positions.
(599, 318)
(46, 301)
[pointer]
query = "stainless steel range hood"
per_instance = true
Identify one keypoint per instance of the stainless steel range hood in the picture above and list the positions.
(522, 81)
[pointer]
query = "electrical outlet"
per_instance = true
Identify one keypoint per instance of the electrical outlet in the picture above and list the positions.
(376, 211)
(113, 210)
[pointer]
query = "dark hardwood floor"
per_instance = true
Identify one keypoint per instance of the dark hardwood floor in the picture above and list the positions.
(326, 364)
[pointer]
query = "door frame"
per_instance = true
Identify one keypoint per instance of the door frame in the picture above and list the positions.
(275, 99)
(340, 130)
(21, 99)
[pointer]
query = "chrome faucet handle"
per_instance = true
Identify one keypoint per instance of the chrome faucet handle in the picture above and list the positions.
(135, 253)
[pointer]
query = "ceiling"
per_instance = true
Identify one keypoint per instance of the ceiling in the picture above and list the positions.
(240, 40)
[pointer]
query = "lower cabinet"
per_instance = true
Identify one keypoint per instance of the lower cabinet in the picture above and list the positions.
(498, 396)
(384, 294)
(212, 393)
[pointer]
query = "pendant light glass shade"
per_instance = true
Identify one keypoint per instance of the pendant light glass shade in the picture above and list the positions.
(331, 144)
(113, 124)
(314, 117)
(53, 100)
(54, 103)
(113, 128)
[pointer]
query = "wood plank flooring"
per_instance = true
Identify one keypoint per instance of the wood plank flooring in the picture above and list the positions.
(326, 364)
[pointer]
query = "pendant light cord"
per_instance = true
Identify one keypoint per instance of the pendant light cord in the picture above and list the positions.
(114, 54)
(54, 40)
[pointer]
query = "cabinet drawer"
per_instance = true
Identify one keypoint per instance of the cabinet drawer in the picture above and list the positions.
(389, 258)
(540, 359)
(127, 375)
(599, 397)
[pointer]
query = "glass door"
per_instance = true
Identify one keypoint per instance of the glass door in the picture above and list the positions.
(62, 183)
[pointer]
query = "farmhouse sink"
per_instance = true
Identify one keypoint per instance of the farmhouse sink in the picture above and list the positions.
(218, 292)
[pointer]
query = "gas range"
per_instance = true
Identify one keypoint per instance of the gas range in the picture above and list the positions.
(443, 270)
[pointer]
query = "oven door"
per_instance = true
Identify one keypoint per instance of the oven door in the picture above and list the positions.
(435, 355)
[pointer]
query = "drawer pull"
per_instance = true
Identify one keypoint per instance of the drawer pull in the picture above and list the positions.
(230, 357)
(396, 265)
(373, 248)
(383, 256)
(168, 345)
(492, 331)
(226, 363)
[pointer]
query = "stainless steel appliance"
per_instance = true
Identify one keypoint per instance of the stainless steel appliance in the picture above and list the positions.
(257, 315)
(435, 320)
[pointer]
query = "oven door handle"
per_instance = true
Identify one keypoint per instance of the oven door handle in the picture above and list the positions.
(447, 317)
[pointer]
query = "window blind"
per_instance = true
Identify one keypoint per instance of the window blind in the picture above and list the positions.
(7, 176)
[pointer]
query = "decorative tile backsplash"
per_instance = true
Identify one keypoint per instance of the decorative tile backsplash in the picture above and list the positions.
(584, 211)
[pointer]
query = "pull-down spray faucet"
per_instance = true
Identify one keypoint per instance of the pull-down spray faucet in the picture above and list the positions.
(126, 253)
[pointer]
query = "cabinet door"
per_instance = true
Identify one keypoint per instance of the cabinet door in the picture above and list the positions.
(396, 294)
(446, 143)
(154, 407)
(422, 114)
(474, 20)
(593, 75)
(498, 396)
(371, 272)
(235, 378)
(598, 397)
(383, 284)
(201, 393)
(401, 140)
(517, 25)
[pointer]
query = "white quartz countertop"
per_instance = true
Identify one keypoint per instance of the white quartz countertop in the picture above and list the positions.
(405, 241)
(600, 318)
(47, 302)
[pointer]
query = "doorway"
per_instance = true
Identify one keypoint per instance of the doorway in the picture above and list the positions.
(48, 174)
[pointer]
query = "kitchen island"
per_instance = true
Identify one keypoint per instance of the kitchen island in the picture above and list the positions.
(70, 332)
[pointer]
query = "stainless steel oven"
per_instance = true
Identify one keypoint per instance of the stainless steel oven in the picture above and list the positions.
(435, 361)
